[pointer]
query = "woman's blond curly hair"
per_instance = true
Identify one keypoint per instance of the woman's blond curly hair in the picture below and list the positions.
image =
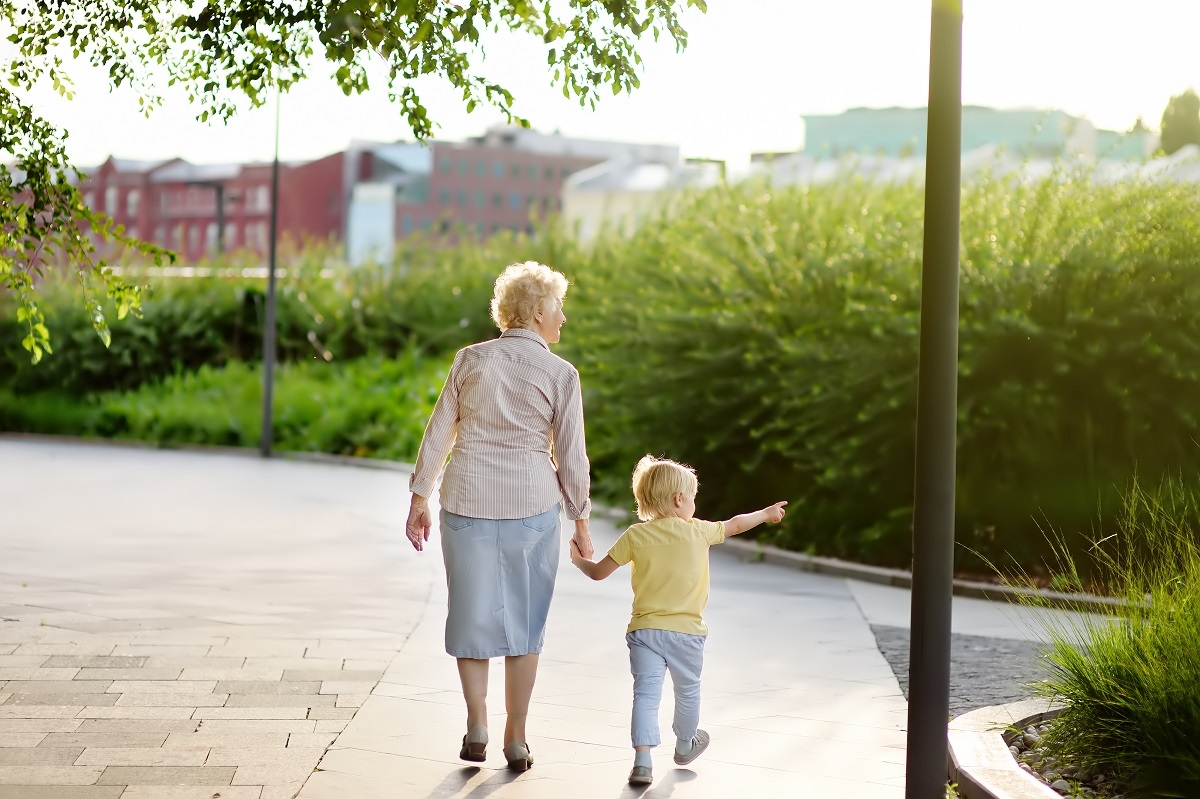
(524, 289)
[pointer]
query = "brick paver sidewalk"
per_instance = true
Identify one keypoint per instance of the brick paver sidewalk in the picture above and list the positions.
(175, 625)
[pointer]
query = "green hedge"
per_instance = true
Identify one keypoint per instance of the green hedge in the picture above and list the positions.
(369, 407)
(769, 337)
(434, 298)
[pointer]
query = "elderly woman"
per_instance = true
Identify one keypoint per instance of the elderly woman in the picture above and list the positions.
(510, 417)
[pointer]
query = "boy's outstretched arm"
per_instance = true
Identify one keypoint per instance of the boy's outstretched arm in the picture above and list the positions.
(597, 570)
(748, 521)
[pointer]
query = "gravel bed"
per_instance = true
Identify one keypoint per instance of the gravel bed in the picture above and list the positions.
(983, 671)
(994, 671)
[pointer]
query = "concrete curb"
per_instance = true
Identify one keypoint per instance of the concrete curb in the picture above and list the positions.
(978, 759)
(899, 578)
(248, 452)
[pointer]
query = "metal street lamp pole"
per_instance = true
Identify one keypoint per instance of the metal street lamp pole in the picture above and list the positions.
(269, 322)
(937, 400)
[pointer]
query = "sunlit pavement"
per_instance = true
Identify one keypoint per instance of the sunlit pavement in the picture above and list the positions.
(188, 624)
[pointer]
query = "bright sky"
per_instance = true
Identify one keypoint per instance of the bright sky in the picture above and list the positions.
(752, 69)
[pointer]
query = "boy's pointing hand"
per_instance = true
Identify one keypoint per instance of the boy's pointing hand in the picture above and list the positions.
(775, 513)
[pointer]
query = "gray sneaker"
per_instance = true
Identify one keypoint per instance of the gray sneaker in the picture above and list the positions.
(699, 744)
(641, 775)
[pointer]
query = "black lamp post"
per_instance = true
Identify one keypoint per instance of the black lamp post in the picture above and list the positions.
(937, 399)
(266, 437)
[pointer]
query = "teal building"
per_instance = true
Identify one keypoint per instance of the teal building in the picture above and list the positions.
(1026, 133)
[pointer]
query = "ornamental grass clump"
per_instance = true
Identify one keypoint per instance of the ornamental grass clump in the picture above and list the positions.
(1131, 685)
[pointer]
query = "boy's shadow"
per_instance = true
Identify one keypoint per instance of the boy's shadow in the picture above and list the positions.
(660, 789)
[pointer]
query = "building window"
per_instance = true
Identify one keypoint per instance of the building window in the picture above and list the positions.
(533, 172)
(549, 173)
(260, 198)
(426, 223)
(479, 228)
(497, 200)
(533, 202)
(515, 170)
(514, 201)
(481, 167)
(110, 200)
(193, 243)
(444, 163)
(160, 236)
(498, 169)
(210, 237)
(462, 166)
(132, 201)
(444, 196)
(462, 196)
(230, 236)
(260, 235)
(131, 231)
(480, 199)
(407, 224)
(180, 235)
(88, 199)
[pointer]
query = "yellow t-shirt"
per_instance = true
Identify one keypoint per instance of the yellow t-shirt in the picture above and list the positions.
(670, 572)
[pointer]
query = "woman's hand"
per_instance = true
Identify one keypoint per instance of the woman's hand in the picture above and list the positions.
(583, 539)
(420, 520)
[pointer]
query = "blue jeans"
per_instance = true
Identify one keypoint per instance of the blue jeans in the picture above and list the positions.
(652, 653)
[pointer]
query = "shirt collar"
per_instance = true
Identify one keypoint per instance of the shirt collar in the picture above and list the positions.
(520, 332)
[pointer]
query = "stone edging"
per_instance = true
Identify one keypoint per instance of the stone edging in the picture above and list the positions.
(978, 758)
(903, 579)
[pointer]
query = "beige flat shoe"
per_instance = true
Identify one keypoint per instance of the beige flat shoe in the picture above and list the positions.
(474, 745)
(518, 757)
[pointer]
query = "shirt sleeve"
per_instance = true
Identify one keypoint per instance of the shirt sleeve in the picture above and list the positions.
(570, 450)
(621, 551)
(714, 532)
(439, 436)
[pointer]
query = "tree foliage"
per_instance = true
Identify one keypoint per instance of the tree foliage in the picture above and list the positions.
(229, 53)
(1181, 121)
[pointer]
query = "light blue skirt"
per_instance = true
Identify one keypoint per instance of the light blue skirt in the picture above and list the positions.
(500, 574)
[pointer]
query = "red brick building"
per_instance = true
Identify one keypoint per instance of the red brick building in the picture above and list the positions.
(366, 197)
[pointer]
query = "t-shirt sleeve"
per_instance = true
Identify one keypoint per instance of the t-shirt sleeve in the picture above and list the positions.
(714, 531)
(622, 551)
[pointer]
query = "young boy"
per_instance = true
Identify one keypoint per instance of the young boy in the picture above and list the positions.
(669, 552)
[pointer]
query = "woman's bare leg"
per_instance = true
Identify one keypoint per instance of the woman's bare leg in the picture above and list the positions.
(519, 675)
(473, 674)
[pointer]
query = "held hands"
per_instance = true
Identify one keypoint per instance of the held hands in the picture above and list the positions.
(774, 514)
(420, 520)
(577, 557)
(582, 540)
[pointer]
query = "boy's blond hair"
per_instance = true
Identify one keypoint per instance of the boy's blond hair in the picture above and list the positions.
(656, 481)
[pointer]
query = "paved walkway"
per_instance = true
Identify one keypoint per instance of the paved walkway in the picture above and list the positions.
(178, 626)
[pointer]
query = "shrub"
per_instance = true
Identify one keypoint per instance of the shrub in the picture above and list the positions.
(432, 297)
(769, 337)
(1130, 685)
(371, 407)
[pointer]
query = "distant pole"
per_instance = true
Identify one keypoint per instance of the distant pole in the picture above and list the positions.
(269, 322)
(937, 399)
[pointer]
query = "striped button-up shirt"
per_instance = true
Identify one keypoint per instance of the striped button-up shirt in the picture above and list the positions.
(510, 417)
